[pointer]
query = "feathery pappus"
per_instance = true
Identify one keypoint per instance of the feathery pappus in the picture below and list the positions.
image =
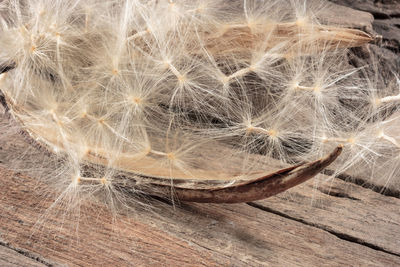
(205, 101)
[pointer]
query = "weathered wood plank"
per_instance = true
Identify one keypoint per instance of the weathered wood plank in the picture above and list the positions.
(344, 208)
(189, 235)
(11, 258)
(334, 14)
(383, 9)
(386, 20)
(96, 239)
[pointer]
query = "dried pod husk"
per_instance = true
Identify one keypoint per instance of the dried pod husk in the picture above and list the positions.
(177, 99)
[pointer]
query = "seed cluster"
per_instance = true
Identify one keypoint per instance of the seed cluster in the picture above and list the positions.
(194, 89)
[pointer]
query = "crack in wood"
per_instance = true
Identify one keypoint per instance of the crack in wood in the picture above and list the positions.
(380, 189)
(339, 235)
(382, 16)
(28, 254)
(336, 193)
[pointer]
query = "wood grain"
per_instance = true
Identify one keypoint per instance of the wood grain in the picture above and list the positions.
(95, 239)
(344, 209)
(10, 257)
(187, 235)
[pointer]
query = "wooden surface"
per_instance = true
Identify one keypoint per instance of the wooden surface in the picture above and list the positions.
(325, 222)
(301, 227)
(10, 257)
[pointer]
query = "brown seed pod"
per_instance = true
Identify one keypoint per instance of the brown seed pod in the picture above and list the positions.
(207, 191)
(180, 100)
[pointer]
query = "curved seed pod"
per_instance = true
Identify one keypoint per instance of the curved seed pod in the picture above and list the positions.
(178, 99)
(318, 38)
(215, 191)
(257, 189)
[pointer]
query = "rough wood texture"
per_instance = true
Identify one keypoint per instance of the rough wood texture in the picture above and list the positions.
(10, 257)
(342, 15)
(97, 241)
(325, 222)
(386, 22)
(203, 235)
(346, 210)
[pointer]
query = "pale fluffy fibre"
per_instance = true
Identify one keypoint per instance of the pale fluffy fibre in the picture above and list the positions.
(196, 89)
